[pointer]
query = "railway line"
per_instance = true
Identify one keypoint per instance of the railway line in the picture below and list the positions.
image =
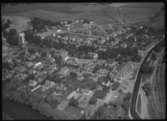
(132, 109)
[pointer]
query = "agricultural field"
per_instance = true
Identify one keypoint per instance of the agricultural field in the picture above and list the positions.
(100, 13)
(151, 98)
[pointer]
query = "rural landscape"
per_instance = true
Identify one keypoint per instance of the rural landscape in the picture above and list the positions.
(83, 61)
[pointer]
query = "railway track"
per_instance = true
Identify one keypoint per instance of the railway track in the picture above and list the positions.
(132, 109)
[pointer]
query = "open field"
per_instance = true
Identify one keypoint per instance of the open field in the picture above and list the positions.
(153, 99)
(100, 13)
(157, 104)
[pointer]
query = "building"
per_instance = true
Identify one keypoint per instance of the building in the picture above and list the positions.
(63, 105)
(124, 45)
(59, 31)
(64, 55)
(84, 100)
(99, 94)
(48, 84)
(115, 85)
(82, 96)
(32, 83)
(126, 71)
(93, 55)
(102, 72)
(37, 64)
(91, 109)
(111, 96)
(74, 95)
(107, 84)
(36, 88)
(72, 61)
(65, 71)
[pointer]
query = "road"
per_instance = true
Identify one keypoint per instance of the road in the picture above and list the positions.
(132, 109)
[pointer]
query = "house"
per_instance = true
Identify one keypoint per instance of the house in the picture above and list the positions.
(82, 96)
(64, 71)
(91, 109)
(115, 85)
(63, 105)
(72, 61)
(54, 34)
(98, 94)
(36, 88)
(124, 45)
(37, 64)
(72, 113)
(22, 37)
(91, 23)
(84, 99)
(126, 71)
(32, 83)
(66, 58)
(73, 94)
(48, 84)
(110, 96)
(64, 55)
(107, 84)
(102, 72)
(55, 93)
(94, 55)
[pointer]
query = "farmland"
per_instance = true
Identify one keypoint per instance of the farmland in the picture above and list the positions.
(97, 12)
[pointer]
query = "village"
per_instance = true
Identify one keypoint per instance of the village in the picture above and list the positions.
(75, 68)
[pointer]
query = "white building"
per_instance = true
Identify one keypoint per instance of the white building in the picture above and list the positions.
(37, 64)
(59, 31)
(72, 94)
(32, 83)
(92, 23)
(37, 87)
(22, 37)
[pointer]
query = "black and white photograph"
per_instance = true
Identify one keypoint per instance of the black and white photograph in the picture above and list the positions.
(83, 61)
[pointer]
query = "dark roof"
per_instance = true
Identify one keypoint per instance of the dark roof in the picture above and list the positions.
(115, 85)
(100, 94)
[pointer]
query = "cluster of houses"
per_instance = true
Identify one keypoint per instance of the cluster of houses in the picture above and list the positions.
(88, 100)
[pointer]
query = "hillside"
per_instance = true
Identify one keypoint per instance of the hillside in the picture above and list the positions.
(100, 13)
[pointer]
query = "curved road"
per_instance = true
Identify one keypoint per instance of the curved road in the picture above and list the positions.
(132, 109)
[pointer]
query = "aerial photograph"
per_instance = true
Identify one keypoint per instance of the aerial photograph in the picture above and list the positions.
(83, 61)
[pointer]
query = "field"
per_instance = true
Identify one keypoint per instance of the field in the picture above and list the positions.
(100, 13)
(155, 91)
(157, 105)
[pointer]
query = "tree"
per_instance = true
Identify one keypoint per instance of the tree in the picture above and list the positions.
(29, 35)
(147, 89)
(92, 100)
(51, 101)
(146, 69)
(73, 75)
(111, 111)
(13, 38)
(153, 56)
(126, 102)
(73, 102)
(37, 24)
(5, 25)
